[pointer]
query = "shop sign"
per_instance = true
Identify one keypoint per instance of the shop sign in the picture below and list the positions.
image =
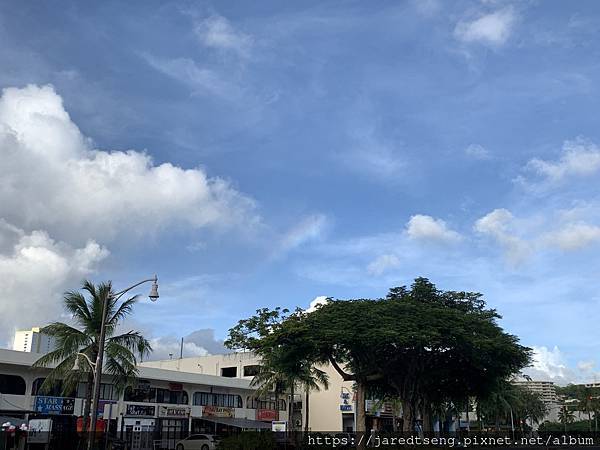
(345, 402)
(102, 404)
(140, 410)
(217, 411)
(173, 411)
(175, 387)
(279, 426)
(54, 405)
(266, 415)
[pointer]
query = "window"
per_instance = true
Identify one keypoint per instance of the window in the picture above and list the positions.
(254, 403)
(229, 372)
(140, 394)
(107, 391)
(209, 399)
(171, 397)
(55, 390)
(12, 384)
(251, 371)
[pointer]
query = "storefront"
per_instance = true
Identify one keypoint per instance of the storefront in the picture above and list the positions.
(173, 424)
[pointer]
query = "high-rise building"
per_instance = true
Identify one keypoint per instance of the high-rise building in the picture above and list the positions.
(33, 341)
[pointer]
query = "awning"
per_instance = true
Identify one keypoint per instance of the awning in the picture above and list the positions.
(240, 423)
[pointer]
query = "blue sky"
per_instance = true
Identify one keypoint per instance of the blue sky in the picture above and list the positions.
(266, 154)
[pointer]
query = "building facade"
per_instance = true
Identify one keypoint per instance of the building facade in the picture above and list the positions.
(33, 341)
(329, 409)
(163, 406)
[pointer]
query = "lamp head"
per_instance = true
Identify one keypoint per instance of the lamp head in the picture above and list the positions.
(154, 290)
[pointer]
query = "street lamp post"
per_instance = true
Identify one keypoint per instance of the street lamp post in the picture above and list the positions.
(99, 359)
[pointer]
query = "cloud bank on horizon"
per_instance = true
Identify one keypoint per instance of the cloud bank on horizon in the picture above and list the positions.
(262, 158)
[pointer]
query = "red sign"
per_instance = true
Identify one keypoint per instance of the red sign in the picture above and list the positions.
(175, 387)
(267, 415)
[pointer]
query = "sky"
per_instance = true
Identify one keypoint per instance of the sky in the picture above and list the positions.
(266, 154)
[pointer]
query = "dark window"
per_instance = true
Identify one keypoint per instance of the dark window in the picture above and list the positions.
(107, 391)
(12, 384)
(140, 394)
(208, 399)
(251, 371)
(171, 397)
(56, 390)
(254, 403)
(229, 372)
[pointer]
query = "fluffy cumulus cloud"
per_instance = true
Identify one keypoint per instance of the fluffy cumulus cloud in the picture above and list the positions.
(579, 158)
(550, 365)
(498, 225)
(318, 301)
(34, 270)
(53, 179)
(62, 202)
(574, 236)
(427, 228)
(492, 29)
(198, 343)
(218, 33)
(382, 264)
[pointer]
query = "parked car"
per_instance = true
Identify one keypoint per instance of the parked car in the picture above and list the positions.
(197, 442)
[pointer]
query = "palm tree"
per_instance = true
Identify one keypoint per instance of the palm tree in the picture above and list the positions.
(77, 344)
(565, 416)
(587, 404)
(311, 379)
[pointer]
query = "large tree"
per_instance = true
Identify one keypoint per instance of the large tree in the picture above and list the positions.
(424, 346)
(77, 343)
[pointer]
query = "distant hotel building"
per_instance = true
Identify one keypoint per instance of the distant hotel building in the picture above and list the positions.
(33, 341)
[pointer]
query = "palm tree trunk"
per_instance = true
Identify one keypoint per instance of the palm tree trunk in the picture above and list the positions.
(306, 410)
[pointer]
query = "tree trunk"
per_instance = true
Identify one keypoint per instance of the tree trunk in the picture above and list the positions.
(407, 416)
(361, 416)
(426, 418)
(306, 410)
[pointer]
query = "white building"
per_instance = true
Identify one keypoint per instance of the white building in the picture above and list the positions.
(163, 405)
(33, 341)
(329, 410)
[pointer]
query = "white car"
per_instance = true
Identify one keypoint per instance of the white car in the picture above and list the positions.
(197, 442)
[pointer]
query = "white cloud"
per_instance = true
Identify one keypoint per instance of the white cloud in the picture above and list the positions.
(382, 264)
(586, 366)
(201, 80)
(550, 365)
(424, 227)
(477, 151)
(34, 270)
(217, 32)
(373, 156)
(308, 229)
(61, 200)
(574, 236)
(53, 180)
(198, 343)
(320, 300)
(499, 225)
(580, 158)
(493, 28)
